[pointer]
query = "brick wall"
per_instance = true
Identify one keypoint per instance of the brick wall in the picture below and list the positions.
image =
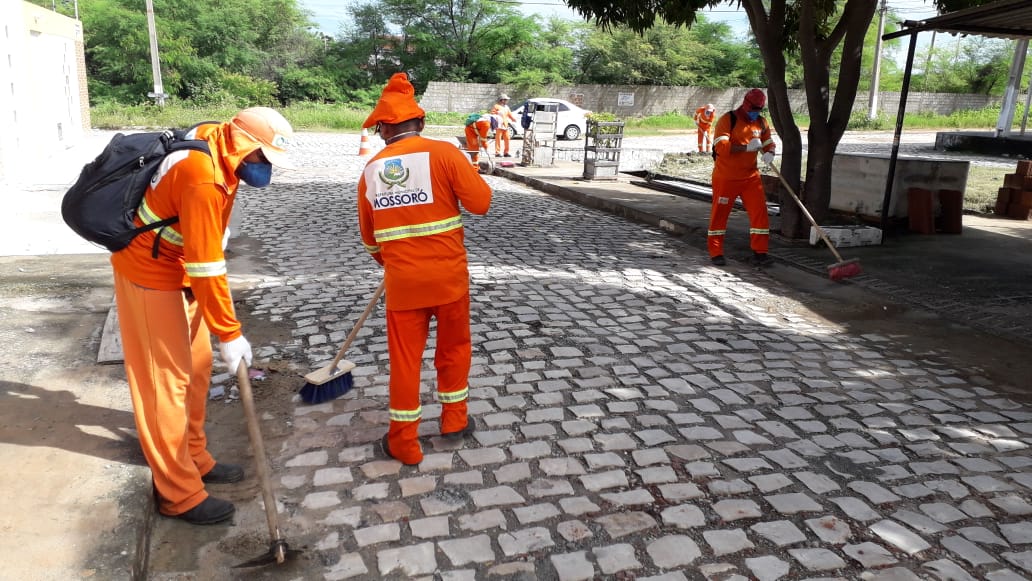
(640, 100)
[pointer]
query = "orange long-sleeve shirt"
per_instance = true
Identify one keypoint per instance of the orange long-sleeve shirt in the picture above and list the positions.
(409, 214)
(703, 118)
(738, 165)
(200, 189)
(504, 113)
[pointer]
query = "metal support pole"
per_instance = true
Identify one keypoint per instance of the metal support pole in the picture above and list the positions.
(895, 137)
(1010, 95)
(159, 90)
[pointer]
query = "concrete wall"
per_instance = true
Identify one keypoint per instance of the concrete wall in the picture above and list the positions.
(858, 181)
(43, 99)
(638, 100)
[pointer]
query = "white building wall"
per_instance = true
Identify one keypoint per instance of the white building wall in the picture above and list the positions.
(40, 99)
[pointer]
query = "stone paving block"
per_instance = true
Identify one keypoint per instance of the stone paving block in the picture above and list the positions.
(524, 541)
(573, 566)
(349, 566)
(616, 558)
(1018, 533)
(901, 538)
(483, 520)
(782, 533)
(817, 559)
(830, 529)
(462, 552)
(412, 560)
(966, 550)
(574, 531)
(793, 503)
(870, 555)
(673, 551)
(620, 524)
(768, 568)
(724, 542)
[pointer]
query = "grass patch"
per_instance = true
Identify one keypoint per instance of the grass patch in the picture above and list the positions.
(320, 117)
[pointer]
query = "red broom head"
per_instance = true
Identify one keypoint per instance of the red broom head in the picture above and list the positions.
(845, 269)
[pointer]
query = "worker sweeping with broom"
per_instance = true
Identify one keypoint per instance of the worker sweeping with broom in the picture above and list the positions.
(410, 197)
(739, 135)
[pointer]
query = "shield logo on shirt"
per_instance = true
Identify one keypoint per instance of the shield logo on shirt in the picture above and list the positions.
(394, 173)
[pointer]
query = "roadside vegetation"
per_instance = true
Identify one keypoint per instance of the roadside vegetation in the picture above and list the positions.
(218, 57)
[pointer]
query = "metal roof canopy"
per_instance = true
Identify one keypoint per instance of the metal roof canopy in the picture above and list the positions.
(1004, 19)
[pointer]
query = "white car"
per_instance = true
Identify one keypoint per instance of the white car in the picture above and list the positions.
(571, 120)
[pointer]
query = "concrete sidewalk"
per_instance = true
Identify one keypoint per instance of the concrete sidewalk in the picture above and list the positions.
(981, 278)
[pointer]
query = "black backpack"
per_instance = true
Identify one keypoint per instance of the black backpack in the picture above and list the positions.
(102, 203)
(713, 150)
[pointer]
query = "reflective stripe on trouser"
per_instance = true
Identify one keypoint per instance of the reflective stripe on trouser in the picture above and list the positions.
(167, 351)
(407, 332)
(705, 139)
(755, 202)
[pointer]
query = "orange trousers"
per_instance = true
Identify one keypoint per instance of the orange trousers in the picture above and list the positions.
(705, 137)
(502, 139)
(476, 139)
(407, 333)
(755, 201)
(167, 350)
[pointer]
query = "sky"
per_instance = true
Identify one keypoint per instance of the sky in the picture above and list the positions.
(329, 14)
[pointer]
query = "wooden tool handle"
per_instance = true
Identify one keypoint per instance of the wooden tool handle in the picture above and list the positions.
(358, 325)
(806, 212)
(260, 462)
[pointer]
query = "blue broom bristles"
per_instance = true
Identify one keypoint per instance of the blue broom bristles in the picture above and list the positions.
(332, 389)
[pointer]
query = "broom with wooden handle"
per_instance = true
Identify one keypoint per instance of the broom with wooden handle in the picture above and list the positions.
(334, 380)
(839, 270)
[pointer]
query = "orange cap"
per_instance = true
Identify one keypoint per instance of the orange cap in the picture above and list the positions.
(270, 131)
(397, 103)
(756, 98)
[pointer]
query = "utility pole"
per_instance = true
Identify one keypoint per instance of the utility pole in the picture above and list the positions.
(872, 111)
(159, 90)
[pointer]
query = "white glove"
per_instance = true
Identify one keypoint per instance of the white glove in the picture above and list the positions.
(768, 157)
(754, 145)
(234, 351)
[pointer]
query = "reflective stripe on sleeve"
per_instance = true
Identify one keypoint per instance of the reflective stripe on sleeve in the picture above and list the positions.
(205, 269)
(721, 138)
(716, 232)
(416, 230)
(405, 415)
(768, 142)
(168, 233)
(453, 396)
(371, 249)
(759, 231)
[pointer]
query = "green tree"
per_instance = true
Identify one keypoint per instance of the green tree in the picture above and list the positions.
(973, 64)
(231, 50)
(811, 29)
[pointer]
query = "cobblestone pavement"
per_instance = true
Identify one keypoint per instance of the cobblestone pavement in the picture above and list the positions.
(641, 415)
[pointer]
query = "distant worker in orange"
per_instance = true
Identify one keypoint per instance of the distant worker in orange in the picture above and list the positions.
(740, 134)
(410, 198)
(505, 116)
(704, 117)
(478, 130)
(172, 296)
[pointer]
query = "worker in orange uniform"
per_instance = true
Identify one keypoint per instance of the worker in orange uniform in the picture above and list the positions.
(740, 134)
(410, 197)
(704, 117)
(478, 129)
(172, 295)
(505, 116)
